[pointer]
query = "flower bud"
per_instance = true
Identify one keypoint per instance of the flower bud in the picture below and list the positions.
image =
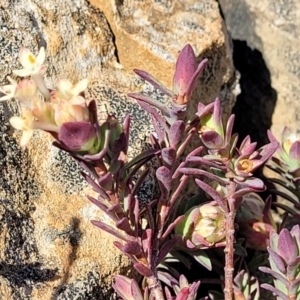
(203, 225)
(186, 74)
(255, 221)
(26, 91)
(289, 151)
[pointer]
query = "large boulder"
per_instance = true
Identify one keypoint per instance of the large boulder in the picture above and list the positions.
(48, 247)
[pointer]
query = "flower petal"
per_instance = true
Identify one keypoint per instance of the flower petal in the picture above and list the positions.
(80, 87)
(41, 57)
(16, 122)
(26, 136)
(23, 72)
(27, 59)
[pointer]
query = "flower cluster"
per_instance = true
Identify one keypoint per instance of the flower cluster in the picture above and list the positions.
(63, 112)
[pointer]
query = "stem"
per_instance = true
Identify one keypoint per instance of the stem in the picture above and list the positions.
(41, 86)
(230, 240)
(155, 288)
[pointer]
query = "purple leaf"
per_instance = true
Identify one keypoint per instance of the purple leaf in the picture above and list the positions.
(146, 243)
(185, 68)
(102, 206)
(142, 158)
(136, 214)
(278, 261)
(124, 225)
(165, 249)
(161, 121)
(122, 286)
(275, 291)
(212, 139)
(275, 275)
(267, 151)
(287, 247)
(183, 294)
(176, 133)
(294, 154)
(96, 187)
(164, 177)
(126, 129)
(169, 156)
(143, 270)
(199, 172)
(151, 102)
(192, 82)
(168, 294)
(172, 226)
(177, 112)
(229, 128)
(106, 181)
(158, 130)
(167, 278)
(135, 291)
(115, 209)
(132, 247)
(293, 288)
(109, 229)
(212, 193)
(76, 135)
(158, 85)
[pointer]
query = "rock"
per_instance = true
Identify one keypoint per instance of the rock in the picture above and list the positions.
(149, 35)
(48, 248)
(272, 28)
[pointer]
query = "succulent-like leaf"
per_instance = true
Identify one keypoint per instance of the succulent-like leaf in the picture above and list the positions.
(169, 156)
(164, 177)
(294, 289)
(142, 158)
(199, 172)
(143, 270)
(183, 294)
(132, 247)
(211, 139)
(77, 136)
(106, 181)
(122, 286)
(135, 291)
(176, 133)
(171, 227)
(202, 258)
(274, 274)
(274, 290)
(156, 83)
(109, 229)
(287, 247)
(124, 225)
(213, 193)
(165, 249)
(278, 260)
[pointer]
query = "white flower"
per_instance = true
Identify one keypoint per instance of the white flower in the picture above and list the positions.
(9, 89)
(71, 92)
(32, 65)
(24, 123)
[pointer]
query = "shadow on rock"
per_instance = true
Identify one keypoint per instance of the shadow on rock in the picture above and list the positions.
(255, 105)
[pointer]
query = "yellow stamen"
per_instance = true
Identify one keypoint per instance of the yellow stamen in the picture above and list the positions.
(31, 59)
(245, 165)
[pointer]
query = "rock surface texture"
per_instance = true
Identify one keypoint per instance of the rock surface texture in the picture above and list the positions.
(271, 29)
(48, 247)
